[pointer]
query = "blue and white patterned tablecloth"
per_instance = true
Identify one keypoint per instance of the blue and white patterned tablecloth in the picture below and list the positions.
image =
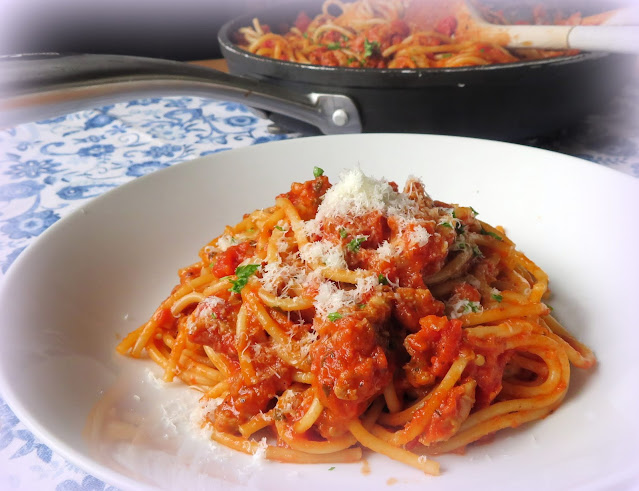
(49, 168)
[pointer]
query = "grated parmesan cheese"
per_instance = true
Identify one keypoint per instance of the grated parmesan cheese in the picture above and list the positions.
(203, 311)
(354, 195)
(385, 251)
(260, 453)
(226, 241)
(419, 236)
(463, 306)
(357, 194)
(306, 343)
(323, 253)
(274, 275)
(199, 414)
(155, 381)
(330, 298)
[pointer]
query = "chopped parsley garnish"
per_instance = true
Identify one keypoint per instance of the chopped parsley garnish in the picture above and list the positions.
(497, 297)
(474, 211)
(279, 228)
(331, 468)
(370, 47)
(343, 233)
(318, 171)
(351, 59)
(382, 279)
(361, 305)
(243, 273)
(477, 251)
(333, 316)
(356, 243)
(334, 46)
(213, 315)
(446, 224)
(459, 228)
(492, 234)
(446, 55)
(453, 214)
(472, 306)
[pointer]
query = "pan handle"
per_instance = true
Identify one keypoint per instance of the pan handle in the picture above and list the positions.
(41, 86)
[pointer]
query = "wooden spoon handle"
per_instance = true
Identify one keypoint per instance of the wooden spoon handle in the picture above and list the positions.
(619, 39)
(611, 37)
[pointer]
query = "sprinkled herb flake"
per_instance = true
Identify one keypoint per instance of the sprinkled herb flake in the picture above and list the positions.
(382, 279)
(370, 47)
(496, 297)
(472, 307)
(333, 46)
(492, 234)
(243, 273)
(356, 243)
(446, 224)
(475, 212)
(343, 233)
(331, 468)
(318, 171)
(280, 228)
(333, 316)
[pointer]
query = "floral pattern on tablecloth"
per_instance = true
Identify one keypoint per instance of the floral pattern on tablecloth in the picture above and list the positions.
(49, 168)
(52, 167)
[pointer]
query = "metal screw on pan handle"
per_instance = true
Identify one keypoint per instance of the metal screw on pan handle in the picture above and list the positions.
(338, 114)
(340, 117)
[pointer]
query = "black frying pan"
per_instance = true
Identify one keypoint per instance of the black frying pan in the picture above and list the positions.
(507, 101)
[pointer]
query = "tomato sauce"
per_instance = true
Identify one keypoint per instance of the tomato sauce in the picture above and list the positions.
(432, 349)
(226, 262)
(306, 196)
(351, 367)
(449, 416)
(214, 325)
(412, 304)
(244, 400)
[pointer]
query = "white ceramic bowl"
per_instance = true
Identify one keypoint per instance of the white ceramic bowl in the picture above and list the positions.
(99, 273)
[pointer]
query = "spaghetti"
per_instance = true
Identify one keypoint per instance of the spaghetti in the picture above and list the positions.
(356, 316)
(387, 34)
